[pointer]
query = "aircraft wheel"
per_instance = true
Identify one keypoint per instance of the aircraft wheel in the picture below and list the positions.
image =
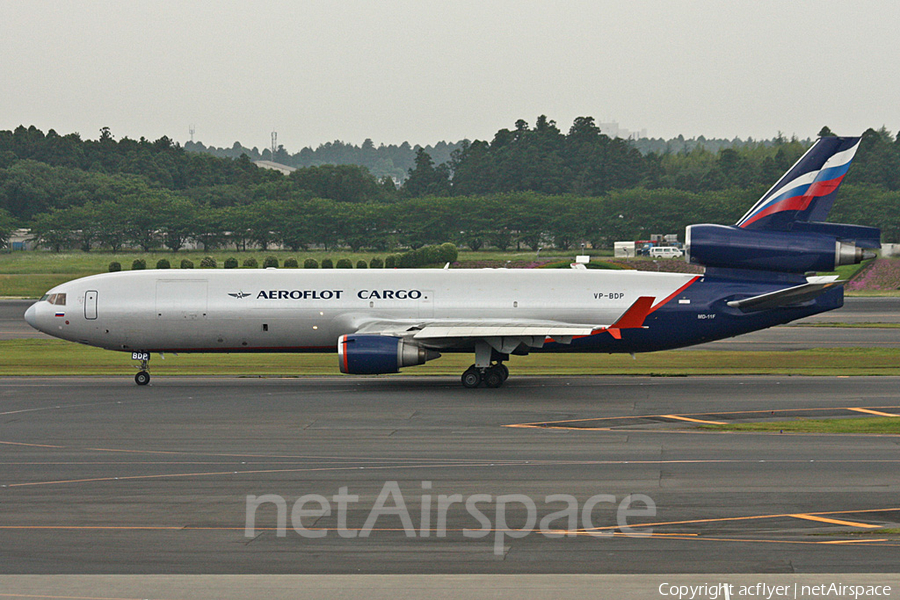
(142, 378)
(471, 378)
(504, 370)
(493, 377)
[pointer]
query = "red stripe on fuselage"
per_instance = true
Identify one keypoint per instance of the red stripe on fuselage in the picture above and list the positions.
(675, 293)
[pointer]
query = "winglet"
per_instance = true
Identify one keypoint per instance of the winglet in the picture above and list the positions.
(632, 318)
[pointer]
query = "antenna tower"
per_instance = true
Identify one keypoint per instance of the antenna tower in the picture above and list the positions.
(192, 130)
(274, 143)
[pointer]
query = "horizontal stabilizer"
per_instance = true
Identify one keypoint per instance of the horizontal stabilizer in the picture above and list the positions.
(785, 297)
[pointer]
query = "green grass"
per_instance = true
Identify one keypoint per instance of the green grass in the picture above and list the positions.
(858, 532)
(30, 274)
(847, 272)
(873, 293)
(57, 357)
(885, 531)
(868, 425)
(33, 285)
(78, 263)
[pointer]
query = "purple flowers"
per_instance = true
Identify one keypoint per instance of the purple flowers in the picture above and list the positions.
(663, 265)
(882, 274)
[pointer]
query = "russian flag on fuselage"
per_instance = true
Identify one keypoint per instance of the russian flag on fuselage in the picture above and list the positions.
(807, 191)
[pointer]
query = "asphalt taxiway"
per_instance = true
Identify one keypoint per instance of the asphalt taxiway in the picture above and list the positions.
(99, 476)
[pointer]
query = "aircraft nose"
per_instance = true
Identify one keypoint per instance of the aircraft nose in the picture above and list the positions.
(30, 316)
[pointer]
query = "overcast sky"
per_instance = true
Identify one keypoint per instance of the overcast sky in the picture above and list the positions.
(419, 71)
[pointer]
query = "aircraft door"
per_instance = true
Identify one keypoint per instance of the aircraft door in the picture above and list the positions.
(181, 299)
(90, 305)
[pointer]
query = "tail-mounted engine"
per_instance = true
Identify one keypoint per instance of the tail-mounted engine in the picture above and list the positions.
(782, 251)
(374, 354)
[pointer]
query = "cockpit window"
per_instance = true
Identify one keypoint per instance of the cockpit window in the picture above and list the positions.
(44, 297)
(57, 299)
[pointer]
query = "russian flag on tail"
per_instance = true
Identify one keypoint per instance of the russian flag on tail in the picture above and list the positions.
(807, 191)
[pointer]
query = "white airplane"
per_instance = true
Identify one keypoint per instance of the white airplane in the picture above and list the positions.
(757, 275)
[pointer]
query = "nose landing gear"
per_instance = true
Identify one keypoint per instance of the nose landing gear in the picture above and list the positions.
(143, 375)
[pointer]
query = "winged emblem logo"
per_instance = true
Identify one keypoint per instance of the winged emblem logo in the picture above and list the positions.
(239, 295)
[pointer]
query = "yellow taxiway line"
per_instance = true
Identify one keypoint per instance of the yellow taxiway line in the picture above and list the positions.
(836, 521)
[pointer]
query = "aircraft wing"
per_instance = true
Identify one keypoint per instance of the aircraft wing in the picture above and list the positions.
(505, 335)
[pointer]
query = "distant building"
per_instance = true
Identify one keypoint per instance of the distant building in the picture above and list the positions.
(268, 164)
(624, 249)
(21, 239)
(614, 131)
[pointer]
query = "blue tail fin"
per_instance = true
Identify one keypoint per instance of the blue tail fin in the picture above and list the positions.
(807, 191)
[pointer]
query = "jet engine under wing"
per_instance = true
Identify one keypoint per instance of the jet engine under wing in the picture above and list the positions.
(793, 295)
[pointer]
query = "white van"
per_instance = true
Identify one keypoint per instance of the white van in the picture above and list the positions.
(666, 252)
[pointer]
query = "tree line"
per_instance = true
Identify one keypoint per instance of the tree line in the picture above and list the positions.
(154, 219)
(392, 160)
(528, 187)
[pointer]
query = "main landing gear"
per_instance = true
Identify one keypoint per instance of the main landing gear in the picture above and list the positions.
(488, 368)
(143, 375)
(492, 376)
